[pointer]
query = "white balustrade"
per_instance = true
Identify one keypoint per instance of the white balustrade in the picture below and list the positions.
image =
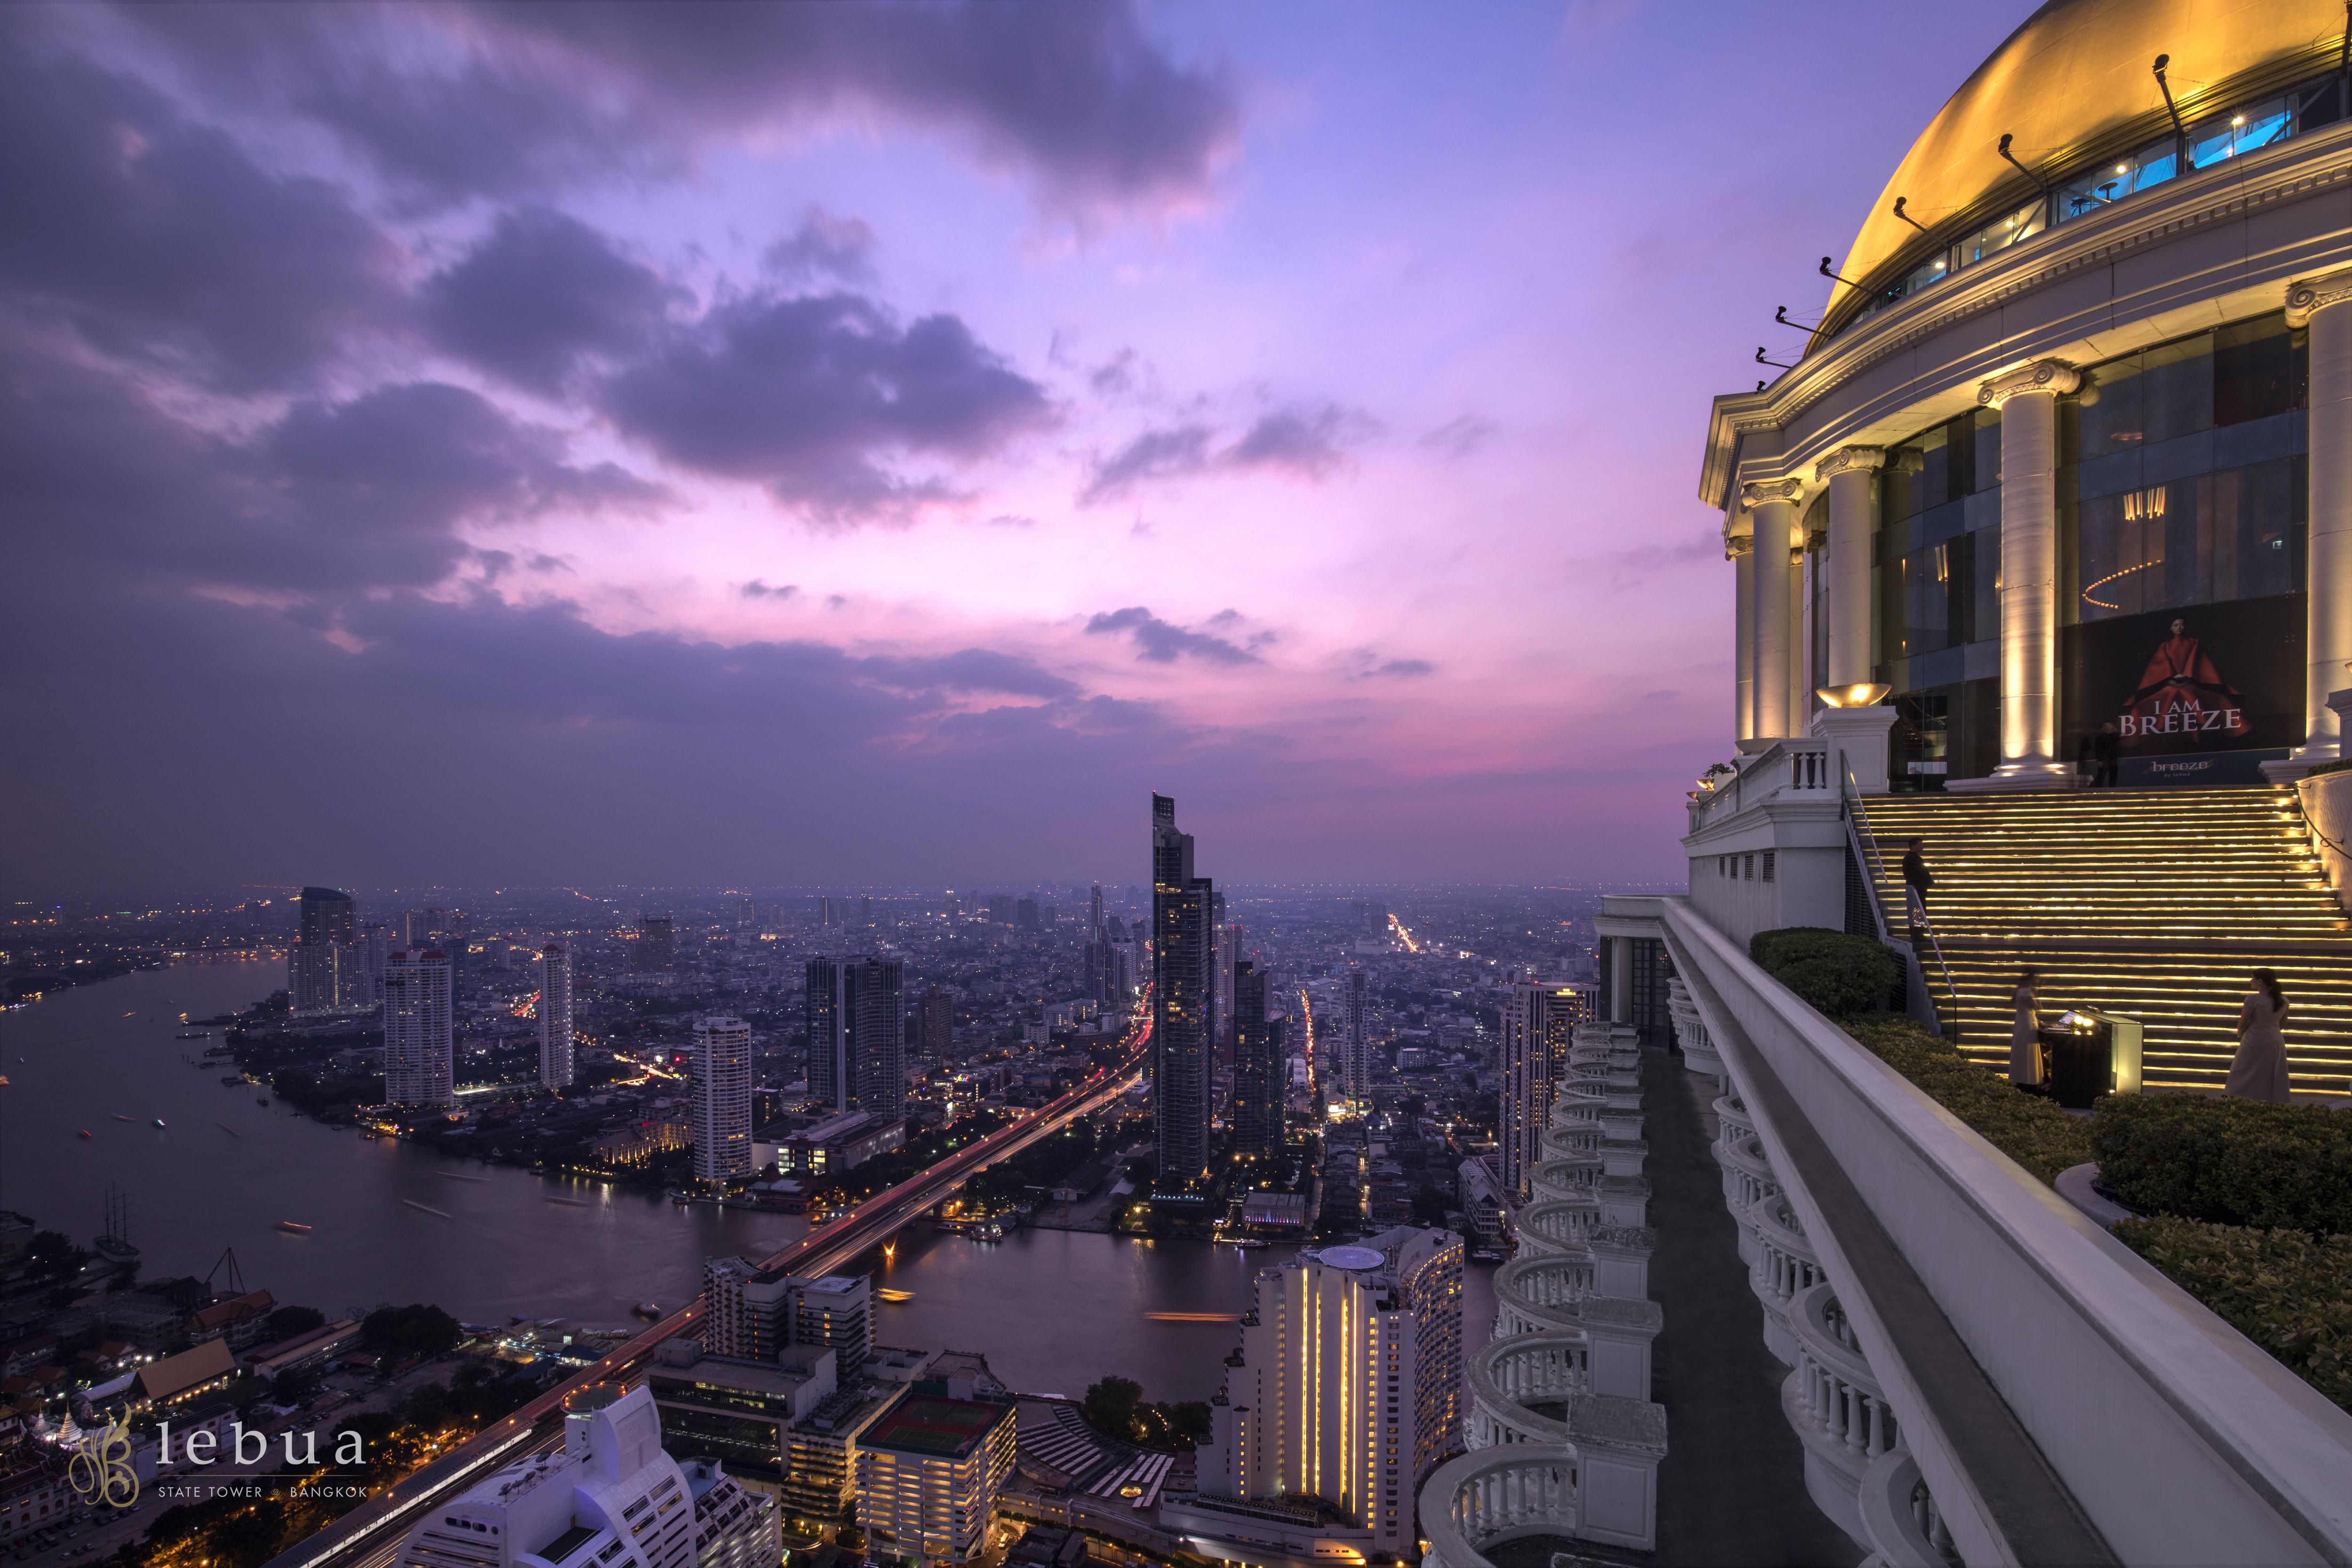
(1902, 1527)
(1784, 1267)
(1538, 1293)
(1485, 1497)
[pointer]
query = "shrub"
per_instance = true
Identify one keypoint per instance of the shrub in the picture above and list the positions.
(2234, 1161)
(2287, 1292)
(2027, 1128)
(1834, 973)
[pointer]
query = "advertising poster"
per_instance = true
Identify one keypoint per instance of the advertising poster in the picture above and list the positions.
(2197, 694)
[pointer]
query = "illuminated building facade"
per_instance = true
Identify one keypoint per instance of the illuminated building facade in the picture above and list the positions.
(1261, 1076)
(855, 1013)
(719, 1088)
(1183, 999)
(418, 1040)
(934, 1026)
(928, 1472)
(1348, 1391)
(1539, 1019)
(328, 971)
(555, 1039)
(1354, 1047)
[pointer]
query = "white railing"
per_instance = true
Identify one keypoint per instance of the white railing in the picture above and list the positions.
(1566, 1141)
(1492, 1496)
(1862, 845)
(1570, 1178)
(1904, 1527)
(1559, 1225)
(1836, 1390)
(1509, 1374)
(1797, 765)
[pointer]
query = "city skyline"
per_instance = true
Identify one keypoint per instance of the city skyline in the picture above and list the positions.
(1173, 316)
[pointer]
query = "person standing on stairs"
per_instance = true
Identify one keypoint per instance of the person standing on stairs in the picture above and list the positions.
(1917, 878)
(2025, 1035)
(2258, 1069)
(2105, 747)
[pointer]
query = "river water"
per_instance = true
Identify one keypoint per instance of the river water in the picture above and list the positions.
(1052, 1310)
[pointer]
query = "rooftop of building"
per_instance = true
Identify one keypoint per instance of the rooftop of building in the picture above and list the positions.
(937, 1426)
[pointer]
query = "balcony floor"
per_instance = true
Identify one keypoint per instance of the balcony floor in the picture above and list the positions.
(1731, 1492)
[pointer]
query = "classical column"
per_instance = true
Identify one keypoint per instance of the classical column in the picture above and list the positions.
(1774, 509)
(1741, 552)
(1846, 601)
(2321, 304)
(2027, 400)
(1800, 645)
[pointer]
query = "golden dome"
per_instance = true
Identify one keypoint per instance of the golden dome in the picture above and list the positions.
(2075, 80)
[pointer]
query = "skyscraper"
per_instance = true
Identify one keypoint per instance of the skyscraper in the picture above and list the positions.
(555, 1016)
(873, 1023)
(855, 1011)
(1258, 1069)
(328, 971)
(656, 948)
(1349, 1383)
(1227, 937)
(1355, 1037)
(934, 1026)
(417, 1030)
(1094, 913)
(1183, 998)
(1537, 1020)
(720, 1088)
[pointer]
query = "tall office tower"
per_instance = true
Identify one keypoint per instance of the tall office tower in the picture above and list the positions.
(418, 1037)
(824, 911)
(828, 1075)
(874, 1031)
(954, 906)
(609, 1496)
(436, 924)
(322, 977)
(1229, 949)
(1094, 913)
(1355, 1048)
(1183, 998)
(720, 1085)
(865, 910)
(656, 945)
(555, 1016)
(1537, 1019)
(377, 942)
(1348, 1386)
(1025, 914)
(934, 1026)
(1260, 1074)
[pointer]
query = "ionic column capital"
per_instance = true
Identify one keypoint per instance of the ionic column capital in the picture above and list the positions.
(2314, 294)
(1849, 459)
(2053, 376)
(1787, 491)
(1738, 545)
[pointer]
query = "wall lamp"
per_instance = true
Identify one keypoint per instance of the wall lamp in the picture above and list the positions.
(1867, 694)
(2012, 160)
(1906, 217)
(1776, 364)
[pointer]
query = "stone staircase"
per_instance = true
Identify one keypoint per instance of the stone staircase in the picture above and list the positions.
(2156, 904)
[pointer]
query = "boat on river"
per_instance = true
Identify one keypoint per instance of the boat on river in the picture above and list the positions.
(193, 1035)
(648, 1309)
(293, 1227)
(85, 1132)
(159, 1122)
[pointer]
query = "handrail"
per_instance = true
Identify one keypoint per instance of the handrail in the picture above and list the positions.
(1864, 844)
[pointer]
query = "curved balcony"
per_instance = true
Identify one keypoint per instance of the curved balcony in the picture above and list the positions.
(1747, 1180)
(1555, 1225)
(1519, 1388)
(1900, 1518)
(1482, 1499)
(1575, 1177)
(1699, 1054)
(1835, 1404)
(1785, 1268)
(1731, 1113)
(1538, 1295)
(1566, 1142)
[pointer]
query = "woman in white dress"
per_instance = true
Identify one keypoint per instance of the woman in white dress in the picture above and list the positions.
(2258, 1069)
(2025, 1035)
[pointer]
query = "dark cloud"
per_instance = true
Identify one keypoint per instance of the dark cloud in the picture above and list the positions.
(811, 396)
(160, 239)
(756, 589)
(1165, 642)
(1154, 455)
(541, 290)
(1458, 438)
(502, 98)
(1400, 667)
(825, 245)
(1302, 443)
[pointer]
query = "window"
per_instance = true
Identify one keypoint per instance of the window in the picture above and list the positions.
(1768, 864)
(2240, 130)
(2013, 228)
(2110, 183)
(1748, 869)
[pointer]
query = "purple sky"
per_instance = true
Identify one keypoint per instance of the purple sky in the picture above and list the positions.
(827, 443)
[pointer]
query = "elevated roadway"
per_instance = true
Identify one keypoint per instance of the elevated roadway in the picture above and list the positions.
(370, 1535)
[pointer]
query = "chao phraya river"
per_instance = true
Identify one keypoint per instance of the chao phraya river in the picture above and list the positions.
(1052, 1310)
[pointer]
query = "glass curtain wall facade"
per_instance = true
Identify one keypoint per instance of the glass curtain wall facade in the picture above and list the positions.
(1936, 614)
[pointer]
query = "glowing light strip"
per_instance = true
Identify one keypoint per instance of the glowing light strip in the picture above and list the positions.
(2109, 578)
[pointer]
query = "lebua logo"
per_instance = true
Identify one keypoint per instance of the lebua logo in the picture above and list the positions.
(99, 1471)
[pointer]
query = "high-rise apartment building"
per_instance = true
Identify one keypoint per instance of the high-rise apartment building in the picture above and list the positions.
(1354, 1045)
(327, 971)
(1349, 1383)
(929, 1469)
(1183, 1000)
(1227, 935)
(656, 949)
(719, 1086)
(375, 942)
(855, 1014)
(1538, 1021)
(610, 1497)
(1259, 1073)
(555, 1061)
(418, 1030)
(753, 1313)
(828, 1076)
(934, 1026)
